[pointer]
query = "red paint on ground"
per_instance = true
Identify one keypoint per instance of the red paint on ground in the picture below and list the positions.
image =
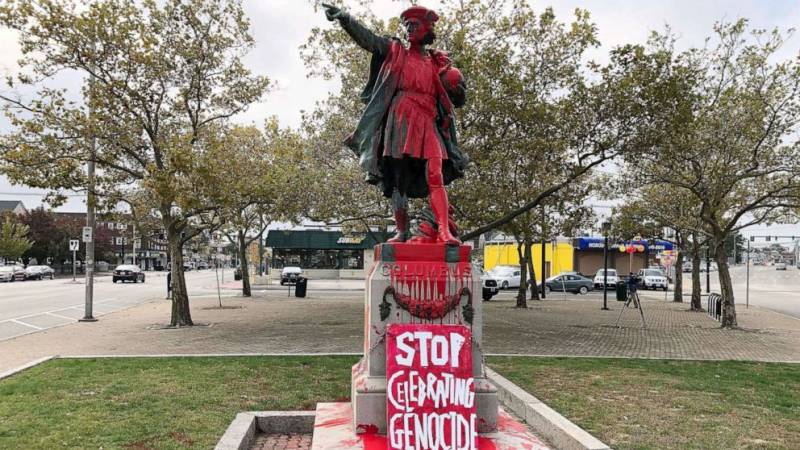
(337, 422)
(486, 444)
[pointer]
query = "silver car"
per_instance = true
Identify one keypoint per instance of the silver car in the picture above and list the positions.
(39, 272)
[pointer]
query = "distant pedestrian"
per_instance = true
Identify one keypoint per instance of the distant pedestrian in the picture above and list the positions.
(169, 284)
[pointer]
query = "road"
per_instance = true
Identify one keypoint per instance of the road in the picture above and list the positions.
(30, 306)
(769, 288)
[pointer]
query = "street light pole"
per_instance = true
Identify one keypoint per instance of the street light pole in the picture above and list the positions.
(747, 295)
(606, 226)
(708, 272)
(544, 275)
(90, 222)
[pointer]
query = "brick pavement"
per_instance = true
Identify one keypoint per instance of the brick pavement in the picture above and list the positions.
(291, 441)
(274, 323)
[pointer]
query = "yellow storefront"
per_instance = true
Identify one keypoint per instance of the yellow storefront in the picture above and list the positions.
(559, 257)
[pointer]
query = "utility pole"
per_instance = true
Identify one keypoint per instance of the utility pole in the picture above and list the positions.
(90, 224)
(708, 272)
(747, 295)
(134, 244)
(606, 227)
(544, 242)
(261, 245)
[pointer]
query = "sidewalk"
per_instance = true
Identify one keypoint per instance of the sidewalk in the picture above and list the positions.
(332, 322)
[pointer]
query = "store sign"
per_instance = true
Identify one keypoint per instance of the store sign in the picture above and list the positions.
(355, 240)
(430, 389)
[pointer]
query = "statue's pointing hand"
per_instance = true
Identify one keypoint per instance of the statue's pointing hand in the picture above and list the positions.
(332, 12)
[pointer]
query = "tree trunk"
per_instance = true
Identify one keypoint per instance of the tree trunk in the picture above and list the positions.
(697, 304)
(726, 285)
(181, 315)
(678, 279)
(531, 271)
(246, 292)
(522, 294)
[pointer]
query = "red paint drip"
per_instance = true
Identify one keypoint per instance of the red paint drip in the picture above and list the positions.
(486, 444)
(370, 438)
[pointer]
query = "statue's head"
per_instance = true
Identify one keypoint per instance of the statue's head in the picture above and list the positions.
(419, 21)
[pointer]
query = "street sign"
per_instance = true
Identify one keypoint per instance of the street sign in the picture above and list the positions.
(87, 234)
(119, 241)
(74, 245)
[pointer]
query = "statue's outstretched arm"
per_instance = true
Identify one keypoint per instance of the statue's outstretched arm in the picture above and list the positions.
(362, 36)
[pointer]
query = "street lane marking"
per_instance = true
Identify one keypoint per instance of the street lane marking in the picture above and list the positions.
(60, 316)
(19, 322)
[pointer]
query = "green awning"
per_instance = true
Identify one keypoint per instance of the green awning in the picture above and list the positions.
(323, 240)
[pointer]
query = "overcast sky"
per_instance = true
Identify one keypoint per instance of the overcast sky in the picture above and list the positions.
(281, 26)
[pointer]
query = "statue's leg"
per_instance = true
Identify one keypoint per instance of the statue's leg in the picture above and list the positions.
(400, 208)
(439, 204)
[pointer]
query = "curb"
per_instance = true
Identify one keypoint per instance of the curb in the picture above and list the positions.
(554, 427)
(242, 431)
(26, 366)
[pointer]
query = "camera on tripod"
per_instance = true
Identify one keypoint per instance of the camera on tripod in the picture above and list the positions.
(633, 282)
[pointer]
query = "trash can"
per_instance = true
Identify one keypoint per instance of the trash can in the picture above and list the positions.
(622, 291)
(300, 287)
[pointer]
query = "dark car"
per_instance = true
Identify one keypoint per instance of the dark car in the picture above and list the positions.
(489, 284)
(128, 272)
(567, 282)
(237, 274)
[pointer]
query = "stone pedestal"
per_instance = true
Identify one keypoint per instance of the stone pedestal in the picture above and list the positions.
(418, 283)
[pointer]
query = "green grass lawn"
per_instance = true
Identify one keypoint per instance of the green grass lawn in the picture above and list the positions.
(654, 404)
(157, 403)
(164, 403)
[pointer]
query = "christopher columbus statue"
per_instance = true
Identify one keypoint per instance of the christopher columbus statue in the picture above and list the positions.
(406, 137)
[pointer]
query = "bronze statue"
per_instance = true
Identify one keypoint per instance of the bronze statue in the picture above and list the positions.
(406, 137)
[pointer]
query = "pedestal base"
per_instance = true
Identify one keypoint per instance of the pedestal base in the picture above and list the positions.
(333, 431)
(368, 396)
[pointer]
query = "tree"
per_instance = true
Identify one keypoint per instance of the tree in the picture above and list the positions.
(652, 208)
(734, 139)
(271, 191)
(13, 239)
(159, 76)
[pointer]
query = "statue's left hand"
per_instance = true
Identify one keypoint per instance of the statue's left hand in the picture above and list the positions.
(332, 12)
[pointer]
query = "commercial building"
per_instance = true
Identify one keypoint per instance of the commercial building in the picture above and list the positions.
(321, 253)
(589, 254)
(558, 257)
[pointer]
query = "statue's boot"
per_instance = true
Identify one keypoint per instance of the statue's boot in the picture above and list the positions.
(439, 206)
(401, 225)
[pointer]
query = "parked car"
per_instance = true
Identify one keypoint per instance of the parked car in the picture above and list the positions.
(568, 282)
(7, 274)
(780, 266)
(39, 272)
(652, 279)
(128, 272)
(506, 276)
(490, 288)
(290, 275)
(611, 279)
(687, 267)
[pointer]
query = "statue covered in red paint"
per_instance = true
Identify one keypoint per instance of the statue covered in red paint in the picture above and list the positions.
(406, 137)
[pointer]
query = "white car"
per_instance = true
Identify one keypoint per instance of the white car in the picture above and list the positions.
(652, 279)
(611, 279)
(7, 273)
(490, 288)
(291, 275)
(506, 276)
(780, 266)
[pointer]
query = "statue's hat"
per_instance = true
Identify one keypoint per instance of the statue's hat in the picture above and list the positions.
(421, 13)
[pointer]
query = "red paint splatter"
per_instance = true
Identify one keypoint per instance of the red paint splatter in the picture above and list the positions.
(370, 438)
(486, 444)
(333, 423)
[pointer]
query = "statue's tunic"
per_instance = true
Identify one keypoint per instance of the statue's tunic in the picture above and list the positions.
(411, 124)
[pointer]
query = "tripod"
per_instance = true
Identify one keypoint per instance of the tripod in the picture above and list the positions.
(633, 297)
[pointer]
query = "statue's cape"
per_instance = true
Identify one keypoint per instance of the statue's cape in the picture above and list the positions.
(367, 140)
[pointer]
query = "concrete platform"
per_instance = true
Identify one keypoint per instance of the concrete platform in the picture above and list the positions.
(333, 431)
